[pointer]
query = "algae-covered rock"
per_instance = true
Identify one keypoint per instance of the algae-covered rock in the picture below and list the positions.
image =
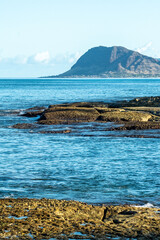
(129, 116)
(24, 126)
(104, 110)
(60, 219)
(135, 112)
(66, 115)
(155, 111)
(82, 104)
(56, 132)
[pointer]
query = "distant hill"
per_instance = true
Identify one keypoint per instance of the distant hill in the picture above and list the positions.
(104, 62)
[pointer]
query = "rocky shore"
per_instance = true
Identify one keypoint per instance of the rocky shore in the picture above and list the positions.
(137, 114)
(60, 219)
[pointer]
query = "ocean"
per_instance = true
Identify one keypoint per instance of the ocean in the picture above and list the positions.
(84, 166)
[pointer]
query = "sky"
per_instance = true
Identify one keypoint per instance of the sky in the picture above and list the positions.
(46, 37)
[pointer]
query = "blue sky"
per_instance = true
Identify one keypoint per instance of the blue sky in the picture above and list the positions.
(45, 37)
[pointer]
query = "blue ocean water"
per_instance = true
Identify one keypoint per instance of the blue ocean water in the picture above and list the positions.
(93, 169)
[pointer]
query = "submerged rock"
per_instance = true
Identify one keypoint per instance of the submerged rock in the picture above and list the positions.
(24, 126)
(56, 131)
(60, 219)
(136, 126)
(133, 135)
(33, 112)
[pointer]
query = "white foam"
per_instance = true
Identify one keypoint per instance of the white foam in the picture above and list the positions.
(147, 205)
(9, 196)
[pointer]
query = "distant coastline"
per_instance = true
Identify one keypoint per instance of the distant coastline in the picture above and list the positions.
(79, 77)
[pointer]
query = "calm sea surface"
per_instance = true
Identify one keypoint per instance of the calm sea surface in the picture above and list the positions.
(93, 169)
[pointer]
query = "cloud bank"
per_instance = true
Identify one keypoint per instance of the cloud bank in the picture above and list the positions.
(42, 57)
(39, 64)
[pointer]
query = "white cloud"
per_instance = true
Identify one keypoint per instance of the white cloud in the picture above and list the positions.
(144, 48)
(39, 64)
(149, 50)
(42, 57)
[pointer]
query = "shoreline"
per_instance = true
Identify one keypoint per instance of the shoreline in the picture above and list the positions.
(25, 218)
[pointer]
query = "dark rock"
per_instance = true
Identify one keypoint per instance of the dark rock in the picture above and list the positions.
(36, 108)
(137, 102)
(126, 212)
(136, 126)
(33, 113)
(116, 221)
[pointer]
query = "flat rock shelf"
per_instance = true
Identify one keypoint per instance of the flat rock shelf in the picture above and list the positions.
(59, 219)
(137, 114)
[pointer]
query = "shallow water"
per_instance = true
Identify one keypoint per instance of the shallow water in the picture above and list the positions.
(86, 165)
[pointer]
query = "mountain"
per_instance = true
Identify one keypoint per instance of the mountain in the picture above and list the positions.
(114, 61)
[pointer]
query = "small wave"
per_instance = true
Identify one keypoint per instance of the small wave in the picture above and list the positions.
(147, 205)
(9, 196)
(11, 112)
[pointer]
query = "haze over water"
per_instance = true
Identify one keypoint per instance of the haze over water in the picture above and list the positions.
(94, 169)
